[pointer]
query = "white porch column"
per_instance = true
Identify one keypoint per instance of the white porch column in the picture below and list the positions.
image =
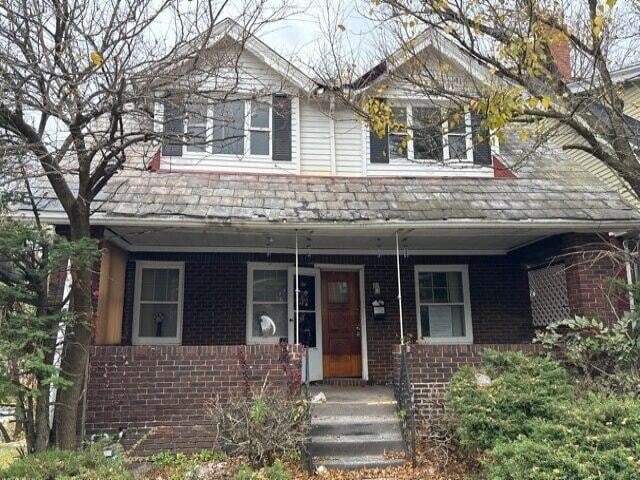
(399, 289)
(297, 293)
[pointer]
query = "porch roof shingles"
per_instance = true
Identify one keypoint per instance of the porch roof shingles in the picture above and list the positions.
(229, 197)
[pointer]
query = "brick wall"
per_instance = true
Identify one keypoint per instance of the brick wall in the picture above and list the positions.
(215, 298)
(432, 366)
(159, 394)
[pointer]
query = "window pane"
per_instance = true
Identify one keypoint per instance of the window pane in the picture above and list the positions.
(266, 316)
(270, 286)
(228, 128)
(158, 320)
(307, 295)
(259, 114)
(259, 143)
(427, 133)
(440, 321)
(400, 116)
(457, 124)
(397, 146)
(337, 292)
(197, 139)
(308, 329)
(457, 321)
(425, 285)
(424, 321)
(160, 284)
(454, 282)
(457, 147)
(196, 127)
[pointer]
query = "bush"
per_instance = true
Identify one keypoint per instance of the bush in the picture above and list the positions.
(262, 425)
(89, 464)
(531, 423)
(604, 355)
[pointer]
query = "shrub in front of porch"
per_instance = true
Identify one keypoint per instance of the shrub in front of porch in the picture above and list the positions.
(263, 424)
(531, 422)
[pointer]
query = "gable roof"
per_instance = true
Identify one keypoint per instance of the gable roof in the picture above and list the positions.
(430, 38)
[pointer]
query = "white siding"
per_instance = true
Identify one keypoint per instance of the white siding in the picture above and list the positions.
(349, 143)
(315, 137)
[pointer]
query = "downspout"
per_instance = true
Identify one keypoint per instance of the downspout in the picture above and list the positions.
(399, 290)
(627, 266)
(297, 292)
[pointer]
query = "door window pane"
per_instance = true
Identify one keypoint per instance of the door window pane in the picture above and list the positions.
(337, 292)
(308, 329)
(307, 295)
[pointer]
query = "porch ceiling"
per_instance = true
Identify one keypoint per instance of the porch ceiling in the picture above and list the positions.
(352, 240)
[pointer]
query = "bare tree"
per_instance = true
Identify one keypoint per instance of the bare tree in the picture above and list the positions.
(79, 80)
(545, 66)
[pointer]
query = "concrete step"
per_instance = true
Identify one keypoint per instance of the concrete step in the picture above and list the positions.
(346, 409)
(337, 426)
(361, 461)
(356, 445)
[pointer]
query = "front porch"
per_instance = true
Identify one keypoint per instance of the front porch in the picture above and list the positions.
(187, 321)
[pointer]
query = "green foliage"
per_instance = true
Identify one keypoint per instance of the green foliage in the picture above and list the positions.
(532, 423)
(29, 256)
(277, 471)
(604, 355)
(262, 425)
(170, 459)
(89, 464)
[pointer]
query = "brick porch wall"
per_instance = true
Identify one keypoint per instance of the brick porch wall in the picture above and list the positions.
(432, 366)
(159, 394)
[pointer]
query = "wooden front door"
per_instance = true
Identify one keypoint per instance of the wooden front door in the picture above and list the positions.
(341, 325)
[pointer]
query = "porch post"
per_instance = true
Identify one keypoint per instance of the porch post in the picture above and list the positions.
(399, 290)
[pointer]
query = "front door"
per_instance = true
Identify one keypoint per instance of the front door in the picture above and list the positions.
(341, 325)
(307, 329)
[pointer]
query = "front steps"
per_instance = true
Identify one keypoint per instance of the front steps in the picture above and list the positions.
(357, 427)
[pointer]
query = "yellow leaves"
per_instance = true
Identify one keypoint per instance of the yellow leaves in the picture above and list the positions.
(598, 25)
(611, 3)
(546, 102)
(96, 59)
(532, 102)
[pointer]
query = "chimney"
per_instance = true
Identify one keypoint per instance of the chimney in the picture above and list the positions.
(560, 49)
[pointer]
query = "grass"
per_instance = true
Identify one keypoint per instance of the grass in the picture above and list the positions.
(8, 453)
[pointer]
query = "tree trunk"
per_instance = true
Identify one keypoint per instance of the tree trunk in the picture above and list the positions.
(76, 345)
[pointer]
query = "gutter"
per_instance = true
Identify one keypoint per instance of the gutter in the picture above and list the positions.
(392, 225)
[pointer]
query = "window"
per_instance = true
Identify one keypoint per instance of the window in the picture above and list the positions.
(398, 146)
(267, 303)
(442, 301)
(228, 128)
(259, 128)
(196, 127)
(427, 133)
(158, 302)
(456, 147)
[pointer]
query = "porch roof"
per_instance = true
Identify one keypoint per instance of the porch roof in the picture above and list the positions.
(157, 197)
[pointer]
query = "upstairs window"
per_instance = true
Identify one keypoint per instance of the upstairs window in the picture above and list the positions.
(458, 138)
(260, 128)
(249, 128)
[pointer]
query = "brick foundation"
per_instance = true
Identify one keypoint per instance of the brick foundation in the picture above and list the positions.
(159, 394)
(432, 366)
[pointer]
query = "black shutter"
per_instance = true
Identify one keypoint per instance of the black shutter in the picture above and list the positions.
(378, 147)
(173, 127)
(481, 141)
(281, 124)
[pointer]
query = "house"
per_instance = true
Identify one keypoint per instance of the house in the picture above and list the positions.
(444, 241)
